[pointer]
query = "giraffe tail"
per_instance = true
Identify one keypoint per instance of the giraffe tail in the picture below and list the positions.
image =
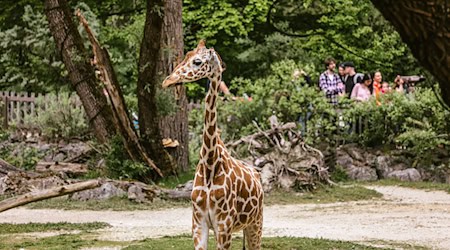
(243, 242)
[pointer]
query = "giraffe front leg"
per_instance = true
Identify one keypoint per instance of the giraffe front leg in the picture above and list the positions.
(200, 231)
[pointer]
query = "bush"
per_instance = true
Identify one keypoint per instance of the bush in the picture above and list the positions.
(417, 121)
(59, 116)
(120, 166)
(281, 95)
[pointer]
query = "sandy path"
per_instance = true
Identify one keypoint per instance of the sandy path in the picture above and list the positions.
(404, 216)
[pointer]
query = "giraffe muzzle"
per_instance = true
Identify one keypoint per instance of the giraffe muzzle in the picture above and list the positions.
(171, 81)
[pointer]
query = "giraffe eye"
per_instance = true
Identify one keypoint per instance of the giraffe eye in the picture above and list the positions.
(197, 62)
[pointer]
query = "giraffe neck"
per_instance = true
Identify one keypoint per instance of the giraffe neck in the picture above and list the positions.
(210, 134)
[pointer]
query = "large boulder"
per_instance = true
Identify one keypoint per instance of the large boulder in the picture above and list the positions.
(361, 173)
(409, 174)
(105, 191)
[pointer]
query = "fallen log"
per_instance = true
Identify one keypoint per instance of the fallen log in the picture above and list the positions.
(6, 167)
(48, 193)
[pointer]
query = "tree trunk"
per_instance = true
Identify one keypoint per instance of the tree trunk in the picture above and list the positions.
(174, 126)
(81, 72)
(425, 27)
(119, 108)
(149, 80)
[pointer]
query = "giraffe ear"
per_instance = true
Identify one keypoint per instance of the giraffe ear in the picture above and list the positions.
(201, 44)
(219, 61)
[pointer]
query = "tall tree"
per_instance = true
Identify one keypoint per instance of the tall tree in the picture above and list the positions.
(174, 126)
(425, 27)
(162, 41)
(80, 71)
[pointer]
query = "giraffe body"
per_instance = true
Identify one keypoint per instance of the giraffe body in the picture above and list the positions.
(227, 195)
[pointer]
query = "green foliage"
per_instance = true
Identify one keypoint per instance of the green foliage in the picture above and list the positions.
(279, 94)
(195, 136)
(118, 164)
(220, 22)
(416, 121)
(59, 116)
(339, 175)
(165, 102)
(28, 59)
(26, 158)
(122, 36)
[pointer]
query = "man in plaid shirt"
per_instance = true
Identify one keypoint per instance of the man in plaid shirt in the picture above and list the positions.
(330, 82)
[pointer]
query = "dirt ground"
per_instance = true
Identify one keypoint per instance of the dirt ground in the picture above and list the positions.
(404, 216)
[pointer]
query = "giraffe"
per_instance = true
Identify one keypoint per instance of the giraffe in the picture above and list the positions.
(227, 195)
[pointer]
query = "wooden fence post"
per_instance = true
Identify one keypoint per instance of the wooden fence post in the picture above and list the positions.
(5, 111)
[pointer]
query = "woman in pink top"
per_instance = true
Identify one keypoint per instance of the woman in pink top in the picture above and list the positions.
(361, 91)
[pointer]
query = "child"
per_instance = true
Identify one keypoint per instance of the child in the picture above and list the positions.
(385, 88)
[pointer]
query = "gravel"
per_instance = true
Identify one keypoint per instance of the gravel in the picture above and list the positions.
(404, 216)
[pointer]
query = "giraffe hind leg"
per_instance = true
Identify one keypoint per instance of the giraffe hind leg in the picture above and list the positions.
(200, 233)
(253, 235)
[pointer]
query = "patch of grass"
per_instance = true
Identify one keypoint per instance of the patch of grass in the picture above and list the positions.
(395, 245)
(339, 174)
(114, 204)
(63, 241)
(174, 181)
(409, 184)
(272, 243)
(7, 228)
(10, 240)
(323, 194)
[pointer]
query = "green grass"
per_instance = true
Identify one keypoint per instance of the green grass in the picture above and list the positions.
(82, 240)
(430, 186)
(323, 194)
(113, 204)
(64, 240)
(174, 181)
(7, 228)
(272, 243)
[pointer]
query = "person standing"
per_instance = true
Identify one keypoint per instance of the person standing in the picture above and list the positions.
(341, 72)
(361, 91)
(377, 79)
(330, 83)
(352, 78)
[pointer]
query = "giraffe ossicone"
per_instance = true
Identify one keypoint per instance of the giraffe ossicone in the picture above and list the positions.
(227, 195)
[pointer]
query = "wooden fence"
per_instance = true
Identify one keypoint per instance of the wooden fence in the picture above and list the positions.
(17, 107)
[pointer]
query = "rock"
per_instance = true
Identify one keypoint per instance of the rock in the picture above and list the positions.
(143, 193)
(107, 190)
(356, 154)
(410, 174)
(3, 185)
(59, 157)
(361, 173)
(344, 160)
(186, 186)
(383, 165)
(43, 148)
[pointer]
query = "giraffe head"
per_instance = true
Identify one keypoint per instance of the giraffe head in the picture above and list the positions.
(198, 63)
